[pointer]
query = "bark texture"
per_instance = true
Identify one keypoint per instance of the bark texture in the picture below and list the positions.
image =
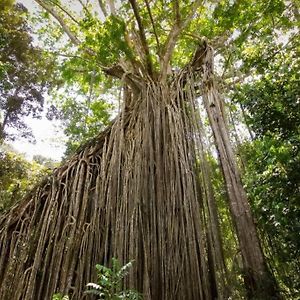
(258, 281)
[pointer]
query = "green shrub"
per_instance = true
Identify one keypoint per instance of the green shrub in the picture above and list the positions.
(109, 285)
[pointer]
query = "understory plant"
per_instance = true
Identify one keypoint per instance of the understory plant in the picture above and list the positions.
(60, 297)
(109, 285)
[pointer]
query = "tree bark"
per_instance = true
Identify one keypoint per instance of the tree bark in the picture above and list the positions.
(258, 280)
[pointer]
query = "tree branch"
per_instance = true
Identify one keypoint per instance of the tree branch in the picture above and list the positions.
(102, 7)
(65, 11)
(78, 57)
(84, 8)
(142, 36)
(112, 7)
(173, 37)
(118, 70)
(177, 12)
(64, 26)
(60, 20)
(153, 26)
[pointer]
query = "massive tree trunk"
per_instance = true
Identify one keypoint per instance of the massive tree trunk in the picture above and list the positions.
(131, 194)
(134, 193)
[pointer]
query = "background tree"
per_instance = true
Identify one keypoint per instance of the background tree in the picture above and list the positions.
(25, 72)
(271, 105)
(17, 176)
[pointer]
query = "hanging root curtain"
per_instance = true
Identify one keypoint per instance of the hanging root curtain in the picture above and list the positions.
(133, 193)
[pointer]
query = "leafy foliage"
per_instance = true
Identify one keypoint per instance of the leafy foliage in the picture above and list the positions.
(17, 176)
(82, 118)
(272, 173)
(273, 101)
(44, 161)
(24, 72)
(109, 284)
(60, 297)
(272, 180)
(106, 38)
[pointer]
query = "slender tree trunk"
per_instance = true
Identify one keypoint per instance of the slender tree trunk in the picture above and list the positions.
(259, 283)
(246, 122)
(216, 254)
(238, 143)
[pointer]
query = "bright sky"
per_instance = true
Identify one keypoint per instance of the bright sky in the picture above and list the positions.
(49, 139)
(48, 134)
